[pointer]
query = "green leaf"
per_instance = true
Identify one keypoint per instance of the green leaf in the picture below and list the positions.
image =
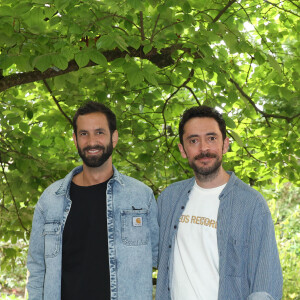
(6, 61)
(29, 114)
(117, 63)
(147, 48)
(260, 59)
(136, 4)
(5, 11)
(274, 64)
(186, 7)
(150, 78)
(60, 61)
(98, 58)
(22, 62)
(121, 42)
(200, 84)
(105, 42)
(237, 138)
(82, 58)
(42, 62)
(61, 4)
(21, 8)
(24, 127)
(231, 42)
(134, 42)
(134, 74)
(35, 20)
(229, 122)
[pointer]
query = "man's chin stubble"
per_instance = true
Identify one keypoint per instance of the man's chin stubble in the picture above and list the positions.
(207, 176)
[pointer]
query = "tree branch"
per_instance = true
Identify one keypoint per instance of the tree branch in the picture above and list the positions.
(56, 102)
(138, 168)
(153, 31)
(13, 197)
(162, 59)
(281, 8)
(294, 3)
(142, 26)
(223, 11)
(265, 115)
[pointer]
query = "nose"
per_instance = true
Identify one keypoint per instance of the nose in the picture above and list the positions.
(92, 140)
(203, 145)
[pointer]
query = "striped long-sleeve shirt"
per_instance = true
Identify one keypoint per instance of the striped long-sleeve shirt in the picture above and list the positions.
(249, 266)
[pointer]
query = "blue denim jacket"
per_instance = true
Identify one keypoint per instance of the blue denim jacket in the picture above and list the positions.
(249, 266)
(132, 249)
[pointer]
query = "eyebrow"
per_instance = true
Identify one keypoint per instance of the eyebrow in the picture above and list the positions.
(97, 129)
(197, 135)
(192, 136)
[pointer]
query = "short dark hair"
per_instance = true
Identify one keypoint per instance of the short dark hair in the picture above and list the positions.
(92, 107)
(201, 112)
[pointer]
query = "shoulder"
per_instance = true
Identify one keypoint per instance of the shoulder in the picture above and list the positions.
(58, 188)
(178, 187)
(50, 191)
(131, 182)
(248, 197)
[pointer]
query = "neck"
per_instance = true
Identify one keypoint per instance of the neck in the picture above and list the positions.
(213, 180)
(91, 176)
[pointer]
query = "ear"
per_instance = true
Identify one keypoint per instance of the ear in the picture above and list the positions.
(225, 145)
(75, 140)
(182, 151)
(115, 138)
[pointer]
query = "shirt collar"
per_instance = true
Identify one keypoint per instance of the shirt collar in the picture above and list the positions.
(64, 186)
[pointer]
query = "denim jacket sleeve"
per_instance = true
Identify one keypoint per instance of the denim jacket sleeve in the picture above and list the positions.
(36, 258)
(154, 229)
(264, 270)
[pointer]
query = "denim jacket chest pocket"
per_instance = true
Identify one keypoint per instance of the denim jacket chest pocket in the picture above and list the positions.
(52, 235)
(135, 229)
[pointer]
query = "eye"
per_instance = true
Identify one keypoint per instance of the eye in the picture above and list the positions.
(193, 141)
(99, 132)
(83, 133)
(212, 138)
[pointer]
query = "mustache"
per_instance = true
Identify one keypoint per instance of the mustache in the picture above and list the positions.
(96, 147)
(202, 155)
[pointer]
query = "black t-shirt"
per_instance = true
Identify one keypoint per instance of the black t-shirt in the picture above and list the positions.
(85, 263)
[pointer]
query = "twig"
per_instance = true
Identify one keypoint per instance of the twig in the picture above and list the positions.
(142, 26)
(153, 31)
(12, 196)
(56, 102)
(223, 11)
(265, 115)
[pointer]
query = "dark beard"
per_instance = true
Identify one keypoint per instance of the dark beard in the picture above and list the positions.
(206, 173)
(96, 161)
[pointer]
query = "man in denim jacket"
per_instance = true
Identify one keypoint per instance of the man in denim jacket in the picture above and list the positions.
(217, 237)
(94, 233)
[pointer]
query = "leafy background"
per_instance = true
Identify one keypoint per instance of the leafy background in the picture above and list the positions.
(149, 61)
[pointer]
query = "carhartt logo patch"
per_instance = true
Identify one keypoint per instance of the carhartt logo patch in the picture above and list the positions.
(137, 221)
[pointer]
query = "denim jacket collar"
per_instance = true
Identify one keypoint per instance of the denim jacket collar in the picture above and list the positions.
(64, 187)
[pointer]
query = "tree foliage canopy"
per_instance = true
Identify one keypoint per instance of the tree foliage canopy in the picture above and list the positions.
(148, 60)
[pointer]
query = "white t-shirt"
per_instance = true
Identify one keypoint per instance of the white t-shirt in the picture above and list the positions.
(196, 260)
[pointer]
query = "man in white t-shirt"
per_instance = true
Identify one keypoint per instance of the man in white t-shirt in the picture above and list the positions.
(216, 233)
